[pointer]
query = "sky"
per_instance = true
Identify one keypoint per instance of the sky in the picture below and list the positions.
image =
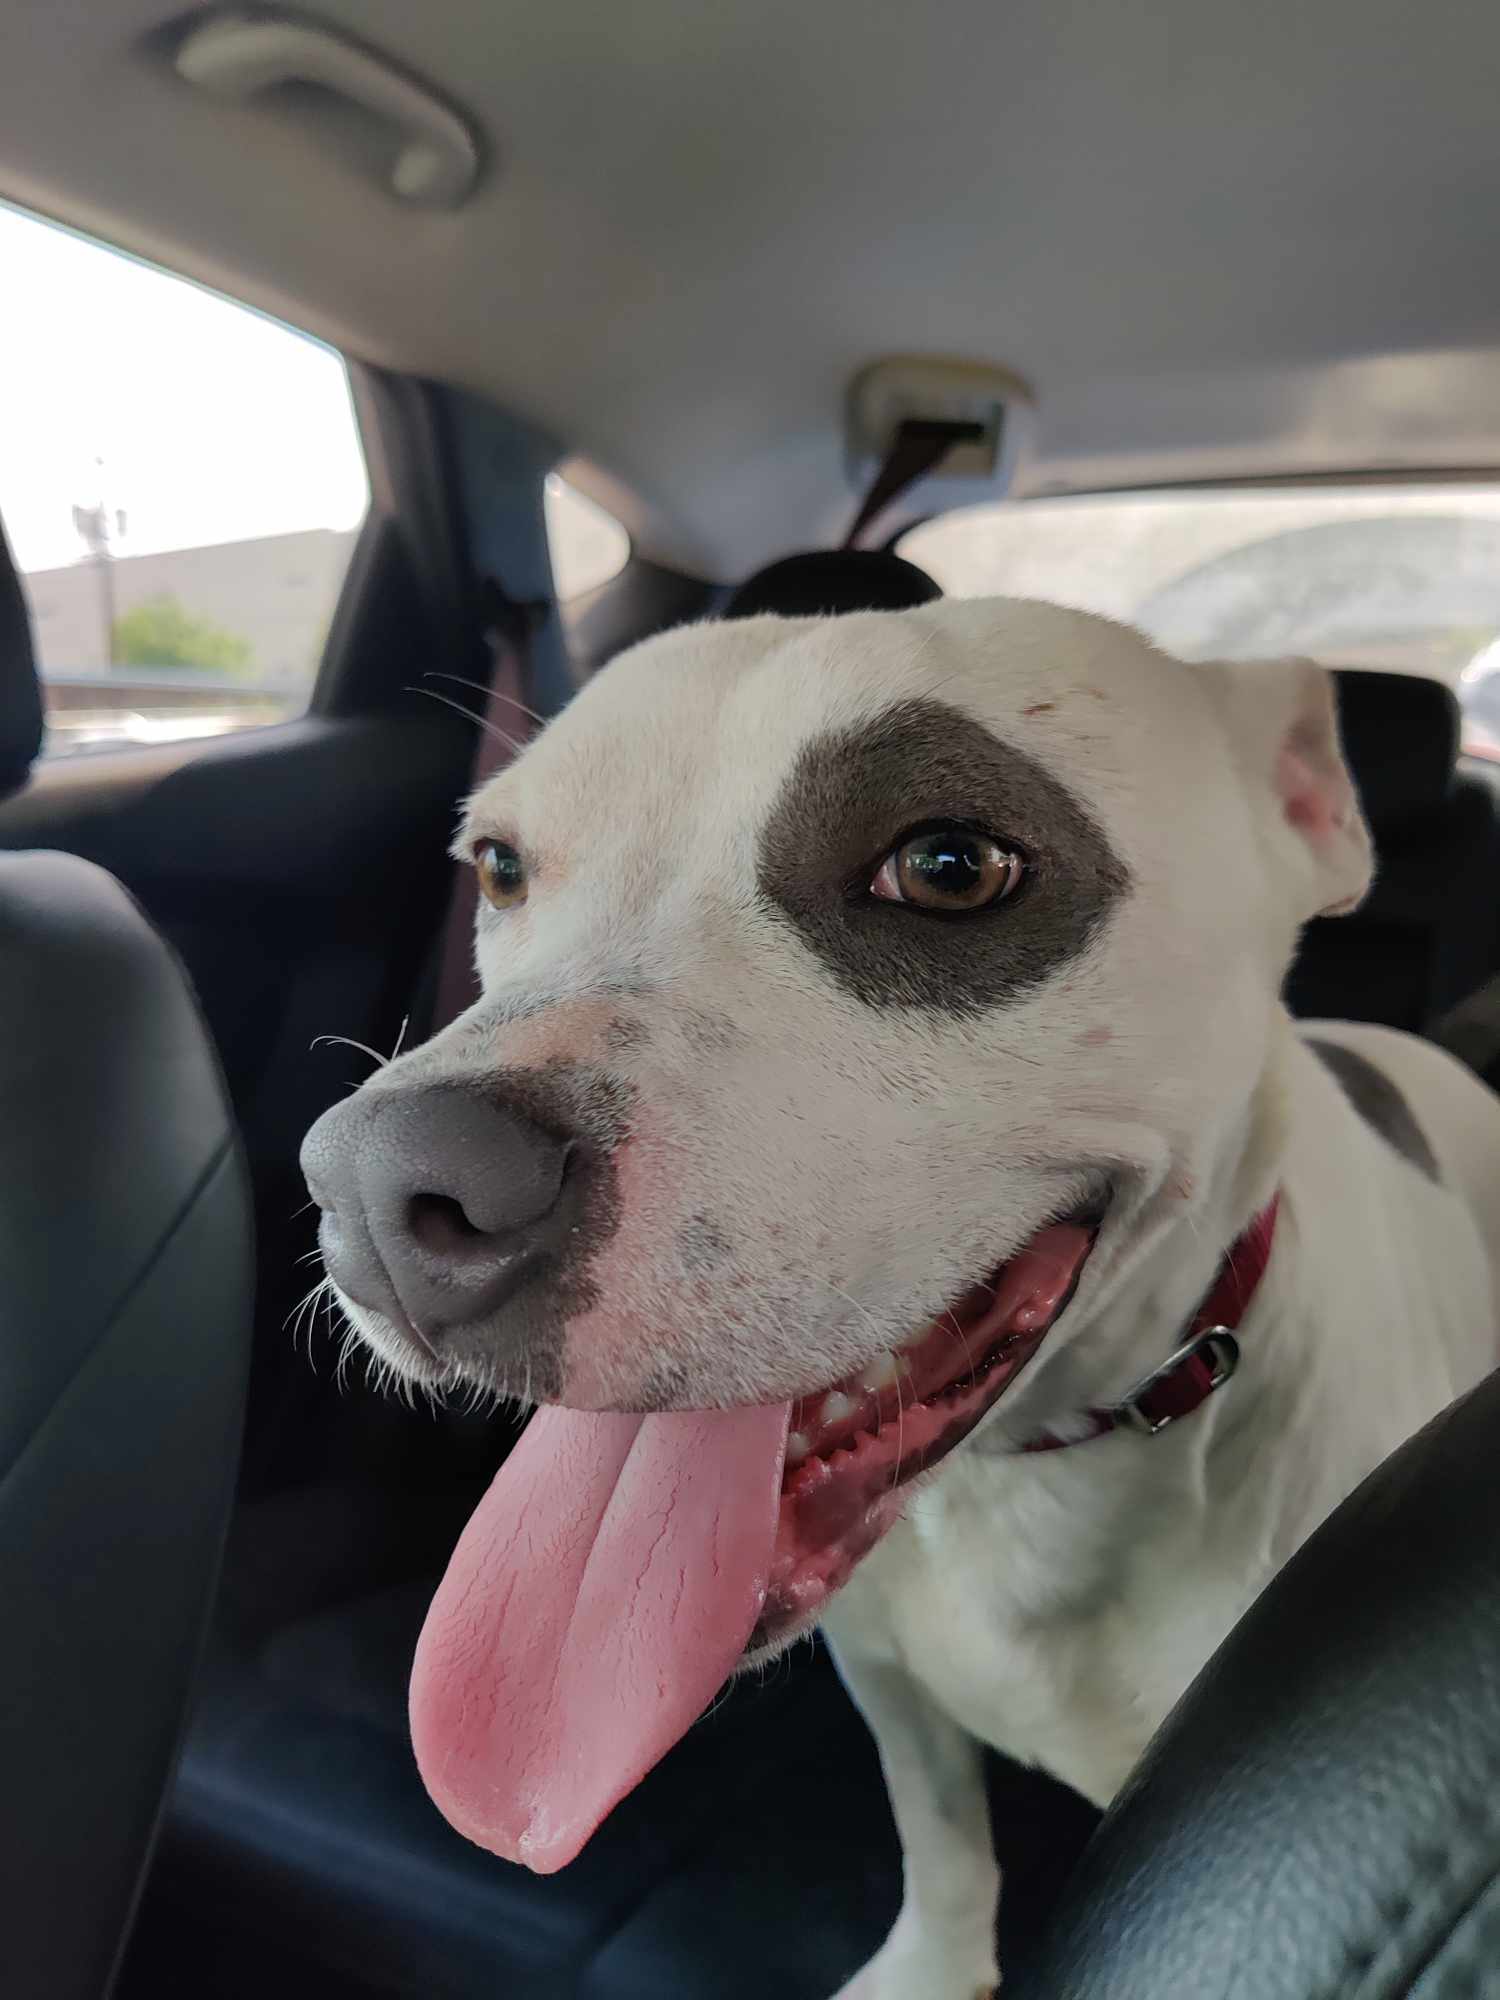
(203, 420)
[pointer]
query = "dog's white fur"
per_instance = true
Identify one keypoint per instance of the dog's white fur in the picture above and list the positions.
(859, 1166)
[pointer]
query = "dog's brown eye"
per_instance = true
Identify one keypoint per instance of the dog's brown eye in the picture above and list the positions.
(502, 873)
(948, 868)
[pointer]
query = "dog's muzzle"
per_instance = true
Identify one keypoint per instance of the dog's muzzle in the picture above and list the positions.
(440, 1201)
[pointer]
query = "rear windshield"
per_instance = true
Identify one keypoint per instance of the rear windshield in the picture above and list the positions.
(1400, 578)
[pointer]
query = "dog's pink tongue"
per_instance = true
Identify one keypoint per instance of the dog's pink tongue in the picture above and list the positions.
(597, 1600)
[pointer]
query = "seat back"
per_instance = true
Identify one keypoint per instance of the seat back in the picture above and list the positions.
(1319, 1816)
(125, 1282)
(20, 692)
(1429, 930)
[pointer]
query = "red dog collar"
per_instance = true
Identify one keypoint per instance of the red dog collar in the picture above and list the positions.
(1207, 1356)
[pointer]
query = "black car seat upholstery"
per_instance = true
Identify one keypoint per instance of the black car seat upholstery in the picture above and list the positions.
(20, 694)
(1429, 931)
(124, 1327)
(1320, 1817)
(1471, 1032)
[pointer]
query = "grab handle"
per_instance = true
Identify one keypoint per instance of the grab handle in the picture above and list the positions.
(240, 55)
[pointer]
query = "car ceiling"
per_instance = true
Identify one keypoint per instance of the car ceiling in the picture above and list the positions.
(1216, 240)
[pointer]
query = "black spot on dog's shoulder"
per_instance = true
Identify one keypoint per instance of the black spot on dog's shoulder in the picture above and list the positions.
(852, 794)
(1378, 1102)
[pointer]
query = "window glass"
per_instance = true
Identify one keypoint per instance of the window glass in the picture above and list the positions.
(181, 484)
(1401, 578)
(588, 546)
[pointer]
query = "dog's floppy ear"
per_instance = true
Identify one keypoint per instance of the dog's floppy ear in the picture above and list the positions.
(1283, 729)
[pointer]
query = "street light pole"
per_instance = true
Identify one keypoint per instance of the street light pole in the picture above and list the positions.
(97, 527)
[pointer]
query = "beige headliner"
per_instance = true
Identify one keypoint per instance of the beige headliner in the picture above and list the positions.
(1217, 238)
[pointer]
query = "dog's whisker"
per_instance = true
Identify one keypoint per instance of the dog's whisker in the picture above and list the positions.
(490, 729)
(348, 1347)
(900, 1438)
(490, 694)
(304, 1312)
(1015, 1055)
(963, 1339)
(863, 1311)
(348, 1042)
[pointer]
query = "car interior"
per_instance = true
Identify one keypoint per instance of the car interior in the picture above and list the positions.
(369, 378)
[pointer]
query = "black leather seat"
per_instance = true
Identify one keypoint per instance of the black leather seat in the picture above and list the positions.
(1429, 931)
(1320, 1818)
(124, 1317)
(20, 692)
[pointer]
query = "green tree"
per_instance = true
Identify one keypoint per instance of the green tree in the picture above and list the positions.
(160, 632)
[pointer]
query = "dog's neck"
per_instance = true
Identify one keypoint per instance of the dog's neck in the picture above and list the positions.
(1164, 1264)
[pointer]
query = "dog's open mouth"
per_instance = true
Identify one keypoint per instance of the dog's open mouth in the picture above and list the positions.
(622, 1567)
(851, 1449)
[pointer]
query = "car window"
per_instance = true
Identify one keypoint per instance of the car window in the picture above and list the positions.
(1401, 578)
(181, 483)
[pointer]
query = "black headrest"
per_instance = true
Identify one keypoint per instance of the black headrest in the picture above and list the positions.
(1400, 740)
(20, 696)
(832, 580)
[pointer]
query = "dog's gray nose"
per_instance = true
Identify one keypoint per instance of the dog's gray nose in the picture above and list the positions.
(438, 1201)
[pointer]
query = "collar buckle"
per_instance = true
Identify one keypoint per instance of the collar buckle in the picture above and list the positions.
(1188, 1377)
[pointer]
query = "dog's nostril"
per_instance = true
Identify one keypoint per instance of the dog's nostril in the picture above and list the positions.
(440, 1225)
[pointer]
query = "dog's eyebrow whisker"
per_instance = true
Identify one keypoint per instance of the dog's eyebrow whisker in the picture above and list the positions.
(513, 744)
(490, 694)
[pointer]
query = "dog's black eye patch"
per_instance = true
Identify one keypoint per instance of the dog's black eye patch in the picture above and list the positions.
(848, 797)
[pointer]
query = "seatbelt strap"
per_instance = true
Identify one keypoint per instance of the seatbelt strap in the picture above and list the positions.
(504, 729)
(919, 447)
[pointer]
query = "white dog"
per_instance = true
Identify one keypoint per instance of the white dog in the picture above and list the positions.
(880, 1014)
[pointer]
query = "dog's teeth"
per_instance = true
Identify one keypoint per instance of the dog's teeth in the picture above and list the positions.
(798, 1445)
(836, 1408)
(881, 1373)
